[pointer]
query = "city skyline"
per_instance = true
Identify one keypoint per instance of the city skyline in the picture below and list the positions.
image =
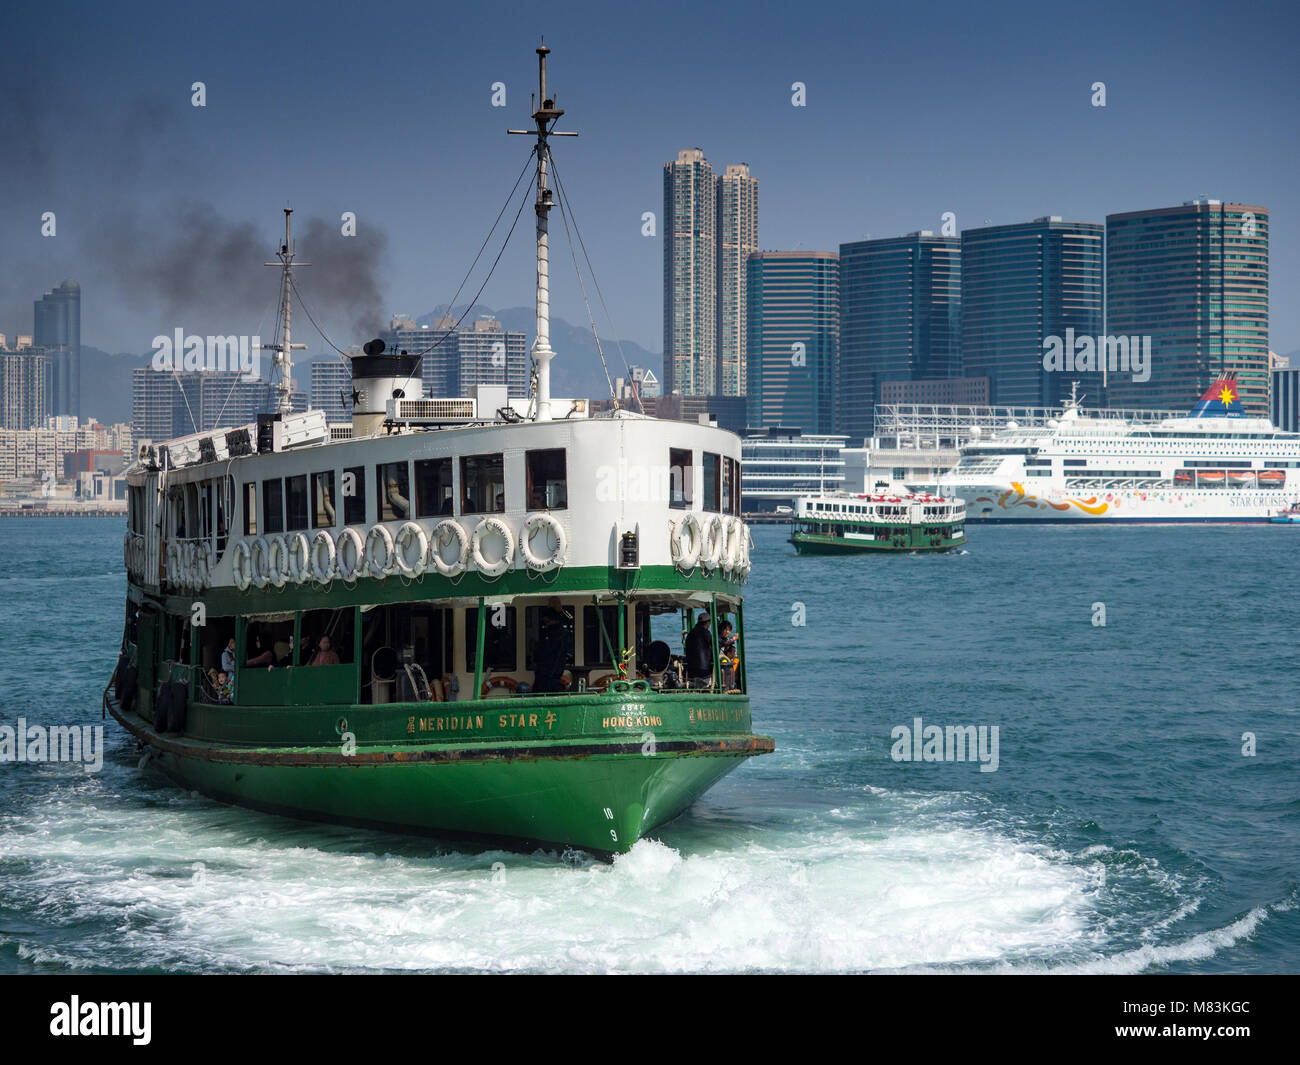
(875, 150)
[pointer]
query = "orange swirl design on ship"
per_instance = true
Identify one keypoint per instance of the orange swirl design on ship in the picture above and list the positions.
(1088, 506)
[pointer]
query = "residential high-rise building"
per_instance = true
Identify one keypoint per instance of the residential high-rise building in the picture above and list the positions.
(331, 388)
(737, 235)
(24, 388)
(166, 404)
(900, 306)
(454, 360)
(1020, 285)
(1195, 280)
(58, 330)
(793, 337)
(690, 275)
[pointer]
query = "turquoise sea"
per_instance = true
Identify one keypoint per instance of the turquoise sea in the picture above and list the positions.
(1123, 831)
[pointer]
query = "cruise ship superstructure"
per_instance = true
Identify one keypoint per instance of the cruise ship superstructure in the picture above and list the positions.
(1213, 465)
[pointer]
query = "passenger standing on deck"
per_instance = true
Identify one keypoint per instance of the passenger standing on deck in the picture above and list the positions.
(699, 652)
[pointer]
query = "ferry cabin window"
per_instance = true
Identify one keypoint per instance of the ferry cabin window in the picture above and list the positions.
(681, 478)
(498, 641)
(547, 483)
(597, 645)
(394, 491)
(432, 487)
(332, 625)
(322, 500)
(273, 506)
(295, 499)
(712, 479)
(354, 495)
(250, 509)
(534, 617)
(393, 637)
(726, 485)
(482, 484)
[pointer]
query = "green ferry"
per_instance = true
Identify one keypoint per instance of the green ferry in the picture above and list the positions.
(832, 523)
(490, 616)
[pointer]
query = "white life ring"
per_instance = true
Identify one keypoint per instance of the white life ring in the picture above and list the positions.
(685, 540)
(534, 525)
(204, 561)
(485, 528)
(714, 533)
(277, 561)
(260, 560)
(297, 557)
(323, 567)
(443, 533)
(241, 561)
(409, 533)
(380, 556)
(349, 567)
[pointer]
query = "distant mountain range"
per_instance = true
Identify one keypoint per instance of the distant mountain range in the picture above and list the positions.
(576, 371)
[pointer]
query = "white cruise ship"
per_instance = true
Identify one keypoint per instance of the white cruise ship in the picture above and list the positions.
(1213, 465)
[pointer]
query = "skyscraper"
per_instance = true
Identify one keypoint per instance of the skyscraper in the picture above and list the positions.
(793, 337)
(690, 275)
(454, 360)
(1195, 279)
(737, 234)
(900, 303)
(58, 330)
(1021, 284)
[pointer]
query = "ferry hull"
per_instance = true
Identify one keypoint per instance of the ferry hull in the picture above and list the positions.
(816, 544)
(600, 796)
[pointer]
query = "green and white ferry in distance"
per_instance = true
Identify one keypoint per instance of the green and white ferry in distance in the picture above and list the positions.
(832, 523)
(446, 622)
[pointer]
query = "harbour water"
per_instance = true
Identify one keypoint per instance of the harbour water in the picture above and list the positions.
(1123, 830)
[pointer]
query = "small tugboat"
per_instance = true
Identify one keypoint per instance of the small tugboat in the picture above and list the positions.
(897, 520)
(452, 616)
(1289, 516)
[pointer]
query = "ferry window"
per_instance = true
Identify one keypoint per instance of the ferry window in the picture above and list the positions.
(726, 485)
(735, 486)
(432, 487)
(295, 498)
(534, 617)
(273, 506)
(712, 475)
(393, 482)
(354, 495)
(547, 486)
(322, 499)
(250, 509)
(595, 650)
(225, 507)
(334, 626)
(498, 640)
(681, 478)
(482, 484)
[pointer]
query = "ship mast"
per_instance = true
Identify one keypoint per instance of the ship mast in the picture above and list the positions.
(283, 359)
(544, 118)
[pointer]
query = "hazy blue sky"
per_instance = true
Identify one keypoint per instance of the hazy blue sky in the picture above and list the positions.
(385, 109)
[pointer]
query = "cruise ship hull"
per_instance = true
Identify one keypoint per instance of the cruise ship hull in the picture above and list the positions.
(1014, 502)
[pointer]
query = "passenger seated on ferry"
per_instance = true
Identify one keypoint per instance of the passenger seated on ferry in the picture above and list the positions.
(501, 502)
(726, 640)
(446, 506)
(225, 689)
(324, 656)
(699, 651)
(228, 657)
(285, 659)
(263, 657)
